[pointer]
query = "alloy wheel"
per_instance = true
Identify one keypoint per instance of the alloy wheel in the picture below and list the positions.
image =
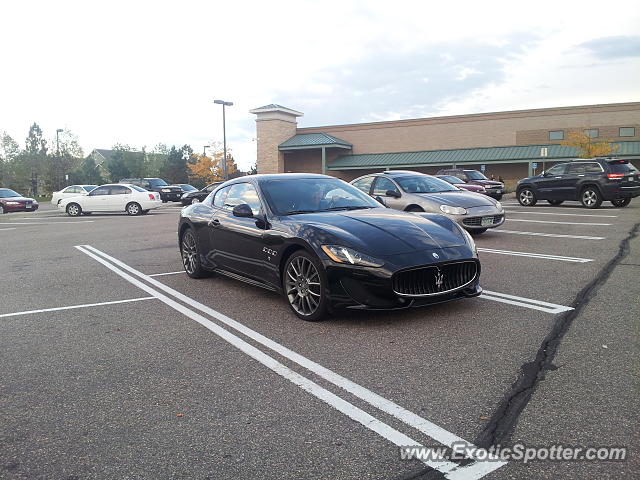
(526, 197)
(303, 286)
(133, 209)
(589, 198)
(189, 253)
(194, 201)
(73, 210)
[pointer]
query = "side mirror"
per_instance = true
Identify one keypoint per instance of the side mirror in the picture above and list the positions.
(392, 193)
(242, 210)
(543, 174)
(379, 199)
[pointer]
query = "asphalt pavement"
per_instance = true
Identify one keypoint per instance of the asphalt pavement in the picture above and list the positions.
(114, 364)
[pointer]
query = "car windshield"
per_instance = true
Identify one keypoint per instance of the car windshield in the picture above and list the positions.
(451, 179)
(157, 182)
(7, 193)
(188, 188)
(475, 175)
(622, 167)
(424, 184)
(288, 196)
(88, 188)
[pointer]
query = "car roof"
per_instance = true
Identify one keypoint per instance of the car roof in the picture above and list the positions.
(277, 176)
(395, 173)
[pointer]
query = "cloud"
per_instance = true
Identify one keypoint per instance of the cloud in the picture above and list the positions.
(607, 48)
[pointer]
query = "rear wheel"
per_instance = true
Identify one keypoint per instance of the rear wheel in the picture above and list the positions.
(590, 197)
(133, 208)
(2, 209)
(555, 202)
(73, 209)
(304, 286)
(621, 202)
(191, 256)
(527, 197)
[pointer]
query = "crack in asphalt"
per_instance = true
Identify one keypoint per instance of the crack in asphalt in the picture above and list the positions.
(502, 423)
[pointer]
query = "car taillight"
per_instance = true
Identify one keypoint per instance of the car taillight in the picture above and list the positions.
(615, 176)
(152, 196)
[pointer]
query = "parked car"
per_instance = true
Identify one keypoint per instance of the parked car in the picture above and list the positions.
(199, 195)
(324, 245)
(186, 188)
(11, 201)
(71, 191)
(418, 192)
(453, 180)
(473, 177)
(128, 198)
(590, 181)
(168, 193)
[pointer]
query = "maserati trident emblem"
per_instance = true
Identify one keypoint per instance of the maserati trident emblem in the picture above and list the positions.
(435, 255)
(439, 279)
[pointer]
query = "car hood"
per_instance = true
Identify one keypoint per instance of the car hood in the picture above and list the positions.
(379, 231)
(487, 183)
(470, 186)
(18, 199)
(459, 198)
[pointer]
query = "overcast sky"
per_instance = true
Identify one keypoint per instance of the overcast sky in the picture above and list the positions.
(144, 73)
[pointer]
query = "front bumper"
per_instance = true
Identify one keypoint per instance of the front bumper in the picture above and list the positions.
(473, 220)
(365, 288)
(171, 196)
(494, 193)
(21, 208)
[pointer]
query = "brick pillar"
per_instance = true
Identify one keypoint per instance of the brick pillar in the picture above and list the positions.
(274, 125)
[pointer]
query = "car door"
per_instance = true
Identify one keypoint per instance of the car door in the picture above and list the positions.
(550, 183)
(380, 188)
(237, 241)
(97, 200)
(118, 198)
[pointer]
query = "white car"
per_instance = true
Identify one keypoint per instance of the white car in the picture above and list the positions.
(112, 198)
(71, 191)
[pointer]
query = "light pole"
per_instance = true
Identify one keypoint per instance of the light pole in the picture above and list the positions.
(58, 130)
(204, 150)
(224, 135)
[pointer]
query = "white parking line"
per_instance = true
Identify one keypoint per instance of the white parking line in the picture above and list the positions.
(168, 273)
(524, 302)
(44, 223)
(555, 235)
(528, 212)
(559, 223)
(550, 207)
(12, 228)
(72, 307)
(451, 470)
(536, 255)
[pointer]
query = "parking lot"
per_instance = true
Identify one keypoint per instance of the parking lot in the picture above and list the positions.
(115, 364)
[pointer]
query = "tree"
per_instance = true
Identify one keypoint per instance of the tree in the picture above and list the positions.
(36, 152)
(66, 159)
(253, 170)
(587, 147)
(203, 170)
(156, 160)
(9, 155)
(116, 165)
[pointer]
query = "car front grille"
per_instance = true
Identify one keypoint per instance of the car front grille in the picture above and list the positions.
(477, 221)
(434, 279)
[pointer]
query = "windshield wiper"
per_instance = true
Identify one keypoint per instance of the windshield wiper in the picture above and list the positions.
(295, 212)
(353, 207)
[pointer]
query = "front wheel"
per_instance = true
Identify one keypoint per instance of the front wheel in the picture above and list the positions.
(73, 210)
(134, 208)
(527, 197)
(194, 201)
(591, 197)
(555, 203)
(304, 286)
(191, 256)
(621, 202)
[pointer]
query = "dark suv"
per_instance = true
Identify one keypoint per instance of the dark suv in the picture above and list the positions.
(588, 180)
(491, 187)
(168, 193)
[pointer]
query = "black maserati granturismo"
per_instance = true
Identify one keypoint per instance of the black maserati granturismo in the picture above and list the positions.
(326, 245)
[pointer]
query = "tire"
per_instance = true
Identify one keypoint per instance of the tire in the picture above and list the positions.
(478, 231)
(555, 203)
(414, 209)
(527, 197)
(74, 210)
(2, 210)
(190, 255)
(194, 201)
(133, 208)
(304, 283)
(590, 197)
(621, 202)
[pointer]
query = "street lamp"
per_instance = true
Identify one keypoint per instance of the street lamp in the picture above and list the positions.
(224, 134)
(204, 150)
(58, 130)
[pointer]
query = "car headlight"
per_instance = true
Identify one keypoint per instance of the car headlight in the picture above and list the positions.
(166, 190)
(499, 206)
(340, 254)
(13, 203)
(453, 210)
(184, 195)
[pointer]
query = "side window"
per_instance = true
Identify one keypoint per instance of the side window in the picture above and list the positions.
(558, 169)
(119, 190)
(220, 197)
(211, 188)
(145, 184)
(577, 168)
(364, 184)
(382, 185)
(240, 193)
(99, 191)
(593, 167)
(69, 190)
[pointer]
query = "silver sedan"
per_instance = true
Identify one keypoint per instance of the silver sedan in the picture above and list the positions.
(417, 192)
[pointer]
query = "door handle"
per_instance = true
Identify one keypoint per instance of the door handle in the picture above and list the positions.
(581, 175)
(215, 222)
(557, 177)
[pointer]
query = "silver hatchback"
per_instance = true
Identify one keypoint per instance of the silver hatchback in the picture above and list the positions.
(418, 192)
